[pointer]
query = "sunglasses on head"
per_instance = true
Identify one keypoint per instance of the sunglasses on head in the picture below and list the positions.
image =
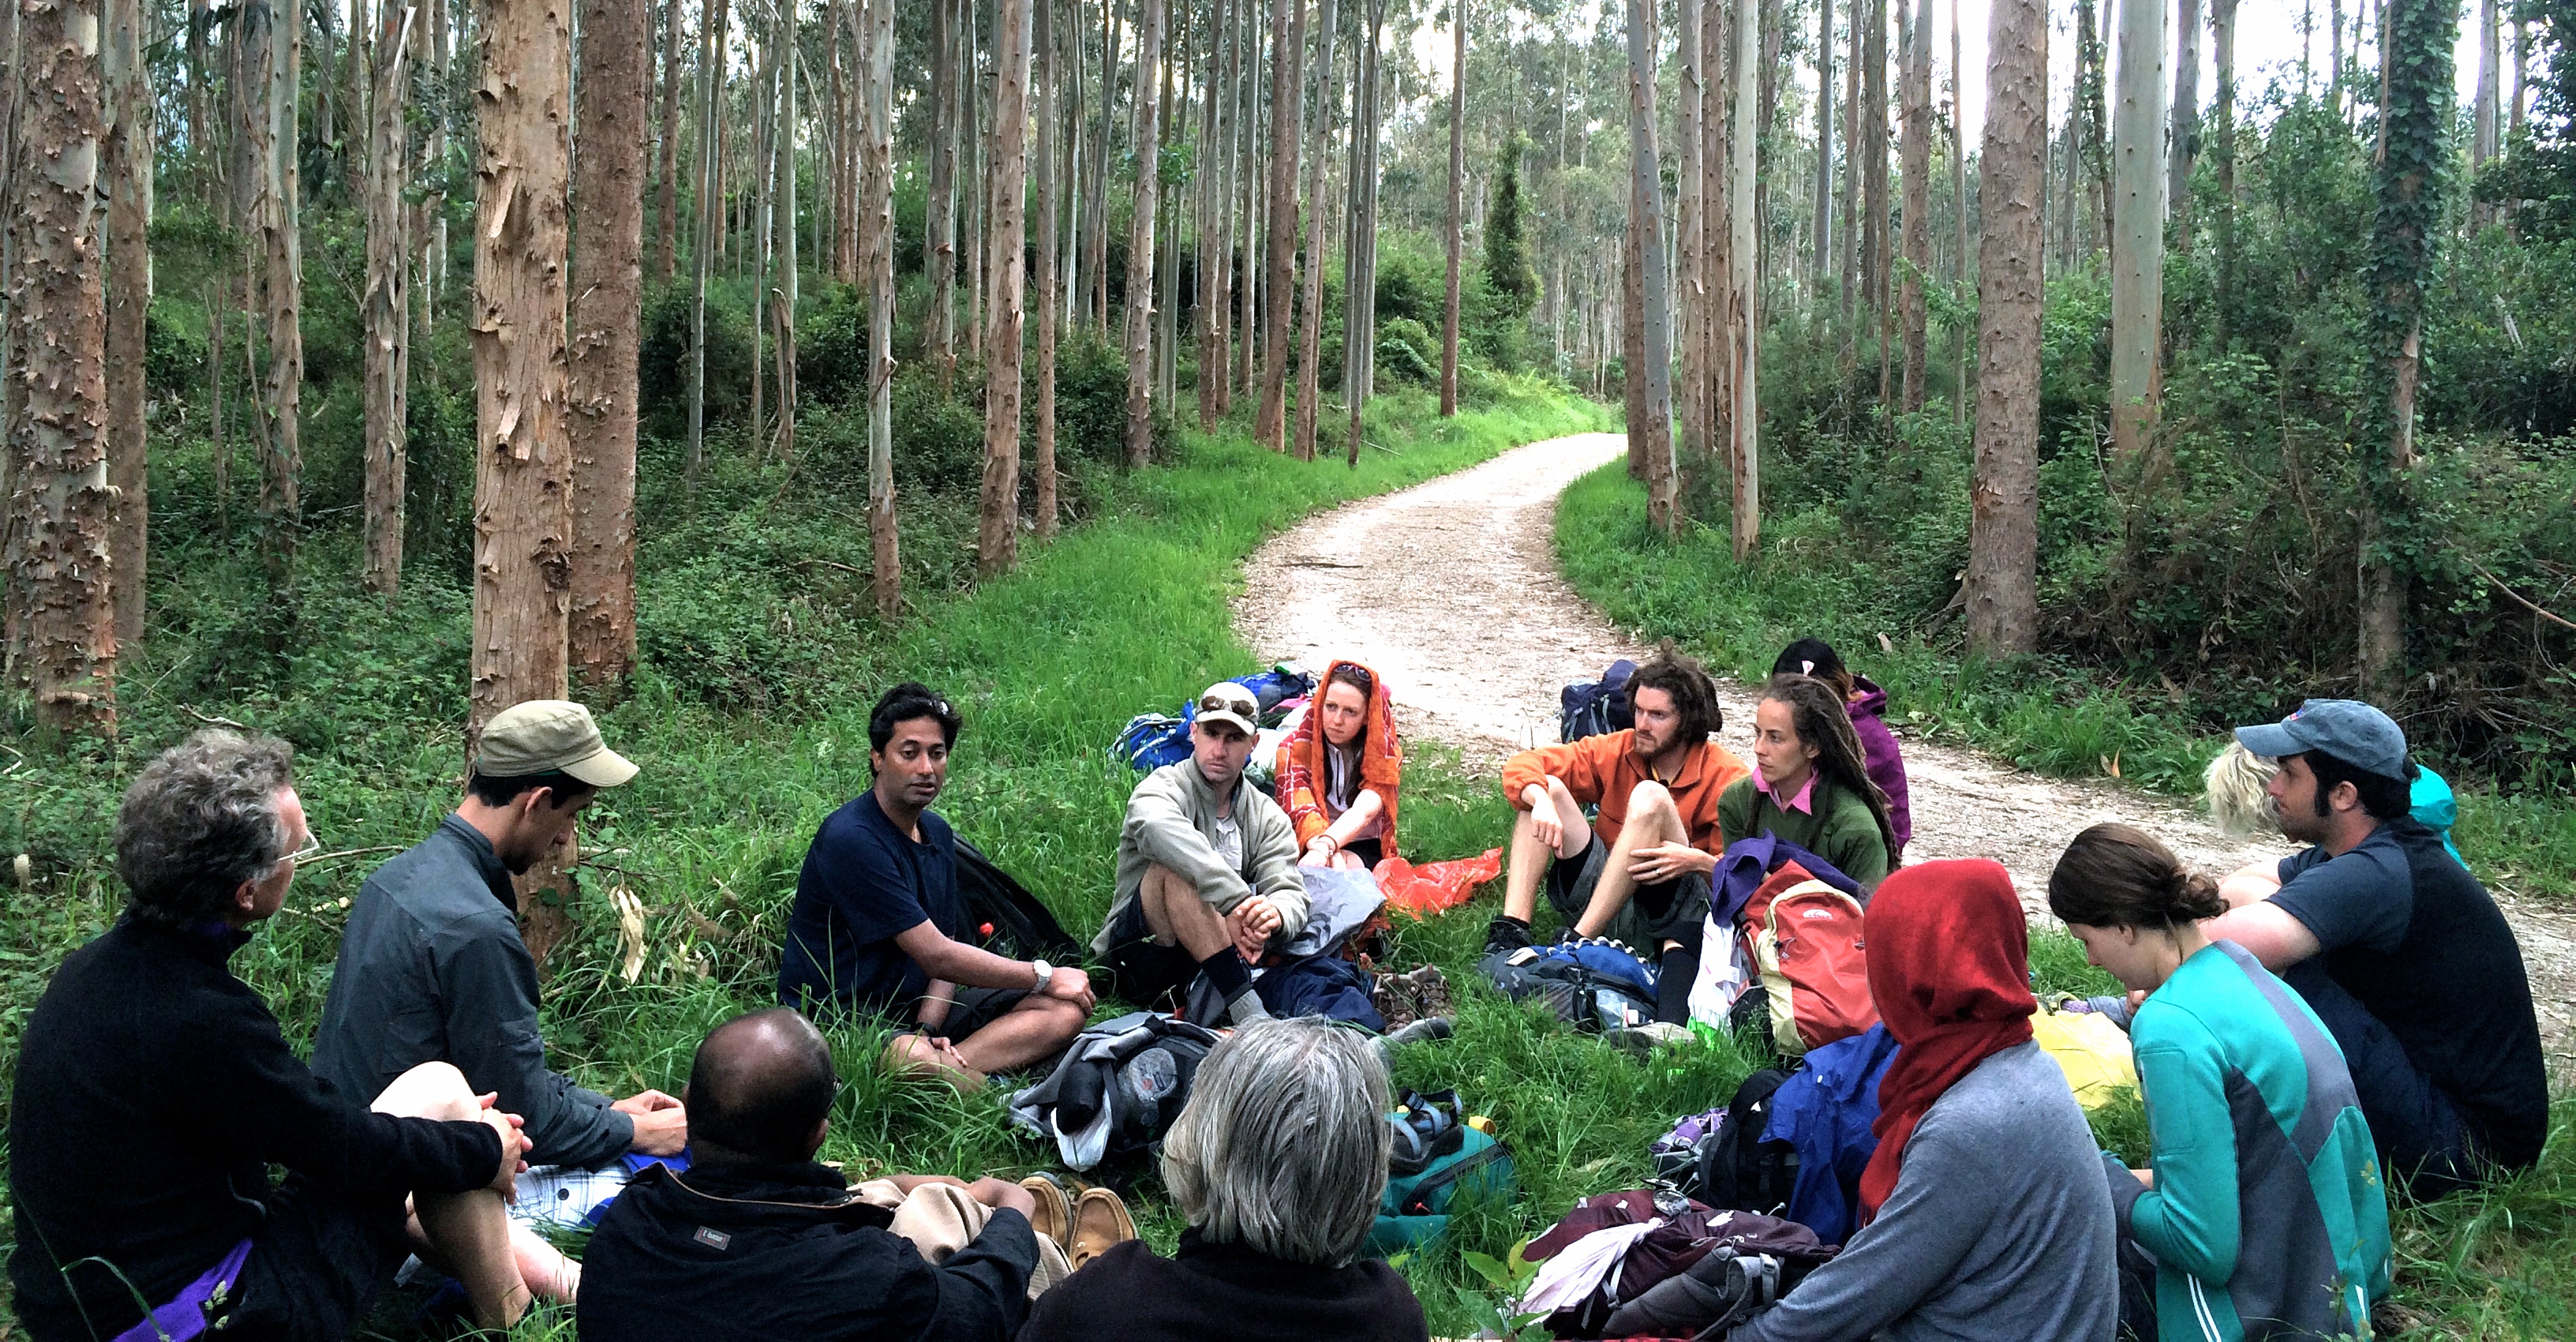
(1219, 703)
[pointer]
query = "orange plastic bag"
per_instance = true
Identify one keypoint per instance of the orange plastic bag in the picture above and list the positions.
(1425, 890)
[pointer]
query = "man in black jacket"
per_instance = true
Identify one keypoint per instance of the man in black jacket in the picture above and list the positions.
(756, 1241)
(154, 1090)
(431, 965)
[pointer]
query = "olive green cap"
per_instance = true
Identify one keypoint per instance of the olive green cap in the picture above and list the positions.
(546, 736)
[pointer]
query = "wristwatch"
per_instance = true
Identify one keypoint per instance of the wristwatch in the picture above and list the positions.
(1045, 972)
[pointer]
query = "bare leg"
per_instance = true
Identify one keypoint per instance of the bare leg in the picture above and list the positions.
(915, 1053)
(1035, 1028)
(468, 1234)
(1178, 916)
(1529, 857)
(1652, 820)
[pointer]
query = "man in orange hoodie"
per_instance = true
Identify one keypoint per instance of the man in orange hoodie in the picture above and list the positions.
(1645, 881)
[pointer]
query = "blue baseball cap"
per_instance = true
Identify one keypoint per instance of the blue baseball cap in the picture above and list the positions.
(2348, 729)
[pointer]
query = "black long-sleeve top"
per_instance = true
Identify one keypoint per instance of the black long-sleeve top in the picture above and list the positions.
(154, 1090)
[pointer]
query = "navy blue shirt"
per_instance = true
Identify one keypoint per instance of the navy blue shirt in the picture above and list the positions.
(865, 883)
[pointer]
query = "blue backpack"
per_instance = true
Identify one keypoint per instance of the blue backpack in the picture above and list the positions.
(1151, 740)
(1591, 984)
(1825, 1111)
(1597, 707)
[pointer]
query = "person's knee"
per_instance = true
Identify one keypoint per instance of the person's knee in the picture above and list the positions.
(1650, 798)
(431, 1090)
(914, 1053)
(1063, 1019)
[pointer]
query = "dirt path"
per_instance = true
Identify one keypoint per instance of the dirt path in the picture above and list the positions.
(1450, 590)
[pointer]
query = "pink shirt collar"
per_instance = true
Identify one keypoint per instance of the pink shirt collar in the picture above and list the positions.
(1803, 803)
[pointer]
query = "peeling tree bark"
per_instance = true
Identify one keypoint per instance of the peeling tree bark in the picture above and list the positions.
(998, 537)
(607, 321)
(522, 446)
(280, 225)
(387, 303)
(60, 501)
(1139, 329)
(878, 213)
(1744, 417)
(1287, 84)
(2003, 528)
(2138, 226)
(129, 297)
(1916, 101)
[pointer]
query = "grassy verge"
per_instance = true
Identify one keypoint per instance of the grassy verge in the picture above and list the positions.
(2495, 1264)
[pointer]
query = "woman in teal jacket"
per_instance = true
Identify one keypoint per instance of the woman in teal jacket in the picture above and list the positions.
(2264, 1207)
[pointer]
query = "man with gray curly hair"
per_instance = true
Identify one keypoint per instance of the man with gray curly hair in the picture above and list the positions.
(1278, 1163)
(154, 1090)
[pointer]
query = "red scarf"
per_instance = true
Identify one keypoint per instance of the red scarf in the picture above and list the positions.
(1949, 966)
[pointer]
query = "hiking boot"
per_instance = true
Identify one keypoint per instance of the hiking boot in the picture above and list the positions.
(1652, 1035)
(1506, 933)
(1054, 1215)
(1100, 1220)
(1391, 995)
(1431, 992)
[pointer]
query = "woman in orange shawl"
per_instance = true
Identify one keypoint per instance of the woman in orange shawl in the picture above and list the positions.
(1339, 770)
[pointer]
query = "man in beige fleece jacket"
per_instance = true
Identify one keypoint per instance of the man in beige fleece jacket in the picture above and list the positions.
(1207, 869)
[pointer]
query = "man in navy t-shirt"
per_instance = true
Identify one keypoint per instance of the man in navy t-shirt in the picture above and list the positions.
(877, 926)
(2398, 949)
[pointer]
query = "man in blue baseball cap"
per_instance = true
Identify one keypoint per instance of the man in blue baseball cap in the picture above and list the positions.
(2400, 952)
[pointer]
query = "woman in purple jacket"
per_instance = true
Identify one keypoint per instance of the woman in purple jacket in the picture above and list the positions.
(1868, 706)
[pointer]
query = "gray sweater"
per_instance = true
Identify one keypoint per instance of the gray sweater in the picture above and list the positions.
(1171, 823)
(1999, 1229)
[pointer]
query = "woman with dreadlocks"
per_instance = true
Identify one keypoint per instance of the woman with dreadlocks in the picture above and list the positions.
(1810, 783)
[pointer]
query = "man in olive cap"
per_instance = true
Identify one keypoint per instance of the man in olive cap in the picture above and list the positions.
(2399, 951)
(432, 969)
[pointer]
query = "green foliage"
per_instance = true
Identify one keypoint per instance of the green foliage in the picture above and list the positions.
(1507, 267)
(664, 364)
(1408, 352)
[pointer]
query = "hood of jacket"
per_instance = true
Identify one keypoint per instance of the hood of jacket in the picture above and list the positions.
(1867, 700)
(1302, 777)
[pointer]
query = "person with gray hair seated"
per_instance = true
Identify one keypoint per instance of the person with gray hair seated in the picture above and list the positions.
(1278, 1163)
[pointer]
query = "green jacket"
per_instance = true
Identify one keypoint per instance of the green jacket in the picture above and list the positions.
(1841, 830)
(2268, 1217)
(1171, 822)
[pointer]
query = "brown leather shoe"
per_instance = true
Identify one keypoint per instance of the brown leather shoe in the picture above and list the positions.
(1054, 1215)
(1100, 1220)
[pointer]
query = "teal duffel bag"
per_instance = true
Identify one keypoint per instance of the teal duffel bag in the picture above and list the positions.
(1415, 1210)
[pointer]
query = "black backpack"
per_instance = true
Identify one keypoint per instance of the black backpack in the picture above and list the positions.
(1738, 1169)
(1597, 707)
(1003, 917)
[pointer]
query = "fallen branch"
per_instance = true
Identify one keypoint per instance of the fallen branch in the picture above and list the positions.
(2526, 602)
(191, 711)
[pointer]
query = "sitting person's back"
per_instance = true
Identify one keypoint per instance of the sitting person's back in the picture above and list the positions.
(757, 1241)
(1984, 1213)
(1272, 1248)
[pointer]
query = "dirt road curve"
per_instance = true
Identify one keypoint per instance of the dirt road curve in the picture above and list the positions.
(1450, 590)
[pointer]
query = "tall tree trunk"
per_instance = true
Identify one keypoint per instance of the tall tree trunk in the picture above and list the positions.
(1632, 335)
(1698, 298)
(282, 460)
(878, 211)
(1310, 373)
(2521, 70)
(523, 458)
(1209, 181)
(1140, 240)
(204, 151)
(2090, 121)
(129, 296)
(2185, 144)
(939, 236)
(783, 299)
(2138, 226)
(388, 297)
(2489, 105)
(998, 537)
(1245, 174)
(764, 170)
(1824, 234)
(61, 506)
(1744, 412)
(1286, 96)
(1167, 269)
(2416, 92)
(666, 234)
(355, 97)
(1711, 286)
(607, 320)
(1654, 279)
(712, 22)
(2222, 41)
(1959, 221)
(1457, 204)
(1051, 127)
(1853, 154)
(1097, 256)
(1877, 241)
(1916, 98)
(2002, 585)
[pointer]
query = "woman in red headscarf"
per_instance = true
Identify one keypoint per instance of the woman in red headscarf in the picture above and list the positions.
(1984, 1211)
(1339, 771)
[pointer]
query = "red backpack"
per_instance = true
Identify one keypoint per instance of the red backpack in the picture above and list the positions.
(1805, 938)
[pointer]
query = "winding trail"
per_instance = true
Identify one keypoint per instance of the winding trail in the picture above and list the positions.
(1450, 589)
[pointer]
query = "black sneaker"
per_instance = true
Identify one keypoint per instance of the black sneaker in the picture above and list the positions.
(1506, 933)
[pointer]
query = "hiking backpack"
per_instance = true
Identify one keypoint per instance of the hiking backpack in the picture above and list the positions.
(1117, 1088)
(1436, 1158)
(1806, 943)
(1740, 1168)
(1006, 918)
(1589, 983)
(1597, 707)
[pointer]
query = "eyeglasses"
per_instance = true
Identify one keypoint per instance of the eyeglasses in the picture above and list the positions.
(312, 848)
